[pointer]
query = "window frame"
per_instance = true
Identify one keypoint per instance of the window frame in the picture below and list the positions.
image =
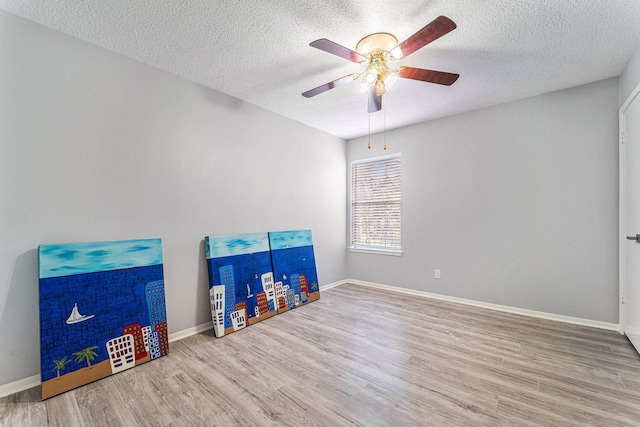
(364, 248)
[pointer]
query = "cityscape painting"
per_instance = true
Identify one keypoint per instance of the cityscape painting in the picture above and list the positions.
(102, 310)
(294, 268)
(241, 286)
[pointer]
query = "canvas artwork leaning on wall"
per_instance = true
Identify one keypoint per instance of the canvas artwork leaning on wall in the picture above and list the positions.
(241, 288)
(255, 276)
(102, 310)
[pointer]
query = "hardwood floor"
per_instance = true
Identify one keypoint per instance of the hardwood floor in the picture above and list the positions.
(366, 357)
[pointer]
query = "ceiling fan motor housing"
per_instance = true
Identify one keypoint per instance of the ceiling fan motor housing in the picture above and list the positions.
(376, 42)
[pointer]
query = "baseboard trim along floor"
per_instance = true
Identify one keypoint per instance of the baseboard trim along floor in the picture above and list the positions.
(507, 309)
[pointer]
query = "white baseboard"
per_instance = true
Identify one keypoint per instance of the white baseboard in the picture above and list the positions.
(332, 285)
(185, 333)
(20, 385)
(504, 308)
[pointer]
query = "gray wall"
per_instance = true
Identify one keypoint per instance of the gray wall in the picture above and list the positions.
(630, 77)
(517, 204)
(95, 146)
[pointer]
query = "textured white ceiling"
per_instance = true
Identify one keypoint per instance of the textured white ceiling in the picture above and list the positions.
(259, 51)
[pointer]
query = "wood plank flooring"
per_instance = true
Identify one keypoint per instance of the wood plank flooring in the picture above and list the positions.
(366, 357)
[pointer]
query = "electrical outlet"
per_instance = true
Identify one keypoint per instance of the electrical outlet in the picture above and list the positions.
(437, 274)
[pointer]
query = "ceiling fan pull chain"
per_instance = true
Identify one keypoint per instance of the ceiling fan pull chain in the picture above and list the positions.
(384, 131)
(369, 144)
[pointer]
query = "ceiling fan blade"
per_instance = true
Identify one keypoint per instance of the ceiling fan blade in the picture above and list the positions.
(430, 76)
(338, 50)
(432, 31)
(325, 87)
(375, 101)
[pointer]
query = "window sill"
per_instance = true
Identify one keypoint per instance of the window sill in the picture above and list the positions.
(391, 252)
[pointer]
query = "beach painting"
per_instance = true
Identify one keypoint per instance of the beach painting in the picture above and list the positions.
(241, 285)
(294, 268)
(102, 310)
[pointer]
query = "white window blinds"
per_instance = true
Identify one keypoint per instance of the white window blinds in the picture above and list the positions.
(376, 202)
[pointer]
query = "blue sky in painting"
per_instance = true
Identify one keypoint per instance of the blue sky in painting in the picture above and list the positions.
(236, 244)
(81, 258)
(290, 239)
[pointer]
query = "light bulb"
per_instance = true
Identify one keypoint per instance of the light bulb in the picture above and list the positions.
(396, 53)
(391, 79)
(370, 77)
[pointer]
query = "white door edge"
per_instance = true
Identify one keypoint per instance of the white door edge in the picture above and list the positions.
(622, 251)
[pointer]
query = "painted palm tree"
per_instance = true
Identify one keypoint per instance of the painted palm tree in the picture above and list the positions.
(314, 287)
(60, 365)
(86, 354)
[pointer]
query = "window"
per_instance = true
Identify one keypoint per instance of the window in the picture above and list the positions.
(376, 202)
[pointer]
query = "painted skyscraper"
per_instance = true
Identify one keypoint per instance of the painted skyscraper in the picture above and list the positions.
(269, 289)
(216, 295)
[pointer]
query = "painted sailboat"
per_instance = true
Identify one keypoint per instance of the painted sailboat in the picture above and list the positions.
(76, 317)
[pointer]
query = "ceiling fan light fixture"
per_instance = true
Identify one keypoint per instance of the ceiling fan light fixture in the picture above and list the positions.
(378, 74)
(377, 53)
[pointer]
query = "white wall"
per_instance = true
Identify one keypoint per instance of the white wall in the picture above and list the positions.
(95, 146)
(517, 205)
(630, 77)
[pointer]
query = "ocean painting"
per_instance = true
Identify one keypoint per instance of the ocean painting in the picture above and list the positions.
(102, 310)
(241, 285)
(294, 268)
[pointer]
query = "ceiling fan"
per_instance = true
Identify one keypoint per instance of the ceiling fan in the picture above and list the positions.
(378, 52)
